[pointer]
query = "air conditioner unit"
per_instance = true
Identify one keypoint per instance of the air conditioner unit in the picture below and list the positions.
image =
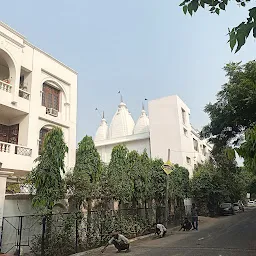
(52, 112)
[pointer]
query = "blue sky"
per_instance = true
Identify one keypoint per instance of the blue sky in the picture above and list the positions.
(145, 48)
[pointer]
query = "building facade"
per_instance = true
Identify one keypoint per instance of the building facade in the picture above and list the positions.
(166, 127)
(37, 93)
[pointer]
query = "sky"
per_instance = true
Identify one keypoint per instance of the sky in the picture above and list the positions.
(143, 48)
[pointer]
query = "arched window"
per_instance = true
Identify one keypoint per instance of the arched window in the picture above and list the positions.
(42, 134)
(50, 97)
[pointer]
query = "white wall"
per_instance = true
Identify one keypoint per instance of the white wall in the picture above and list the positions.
(20, 54)
(165, 128)
(139, 145)
(167, 132)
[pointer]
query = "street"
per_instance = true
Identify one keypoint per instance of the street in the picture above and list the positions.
(224, 236)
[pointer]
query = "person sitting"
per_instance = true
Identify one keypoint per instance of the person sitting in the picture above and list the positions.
(119, 241)
(186, 225)
(160, 229)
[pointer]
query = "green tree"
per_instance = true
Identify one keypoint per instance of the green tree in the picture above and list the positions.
(83, 183)
(119, 181)
(247, 150)
(146, 175)
(179, 183)
(234, 110)
(135, 174)
(208, 188)
(158, 181)
(237, 35)
(46, 177)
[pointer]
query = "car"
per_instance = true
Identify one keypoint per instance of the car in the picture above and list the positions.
(251, 203)
(236, 207)
(227, 208)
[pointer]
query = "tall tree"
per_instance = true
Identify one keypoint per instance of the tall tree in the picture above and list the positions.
(83, 183)
(248, 149)
(179, 183)
(46, 177)
(135, 173)
(158, 180)
(234, 110)
(119, 181)
(237, 35)
(139, 175)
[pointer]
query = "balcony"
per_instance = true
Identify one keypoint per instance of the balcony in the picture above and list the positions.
(15, 157)
(5, 86)
(24, 94)
(15, 149)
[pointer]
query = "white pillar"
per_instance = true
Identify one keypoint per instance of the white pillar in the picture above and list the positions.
(188, 205)
(3, 178)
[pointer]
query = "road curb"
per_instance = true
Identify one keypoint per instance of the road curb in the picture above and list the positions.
(89, 252)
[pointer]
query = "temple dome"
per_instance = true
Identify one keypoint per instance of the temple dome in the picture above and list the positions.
(102, 132)
(122, 123)
(142, 125)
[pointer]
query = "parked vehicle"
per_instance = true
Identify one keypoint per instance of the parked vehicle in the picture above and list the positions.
(251, 203)
(227, 208)
(236, 207)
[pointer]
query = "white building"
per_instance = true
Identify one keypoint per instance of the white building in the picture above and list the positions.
(167, 127)
(37, 92)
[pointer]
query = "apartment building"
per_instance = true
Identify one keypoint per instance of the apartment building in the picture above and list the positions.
(37, 93)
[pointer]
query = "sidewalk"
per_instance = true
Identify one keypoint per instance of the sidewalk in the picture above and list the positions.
(111, 250)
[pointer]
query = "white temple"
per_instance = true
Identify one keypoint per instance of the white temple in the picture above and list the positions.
(166, 127)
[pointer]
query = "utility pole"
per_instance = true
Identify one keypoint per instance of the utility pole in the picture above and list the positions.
(168, 168)
(167, 193)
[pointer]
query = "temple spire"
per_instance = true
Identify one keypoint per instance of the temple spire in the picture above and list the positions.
(121, 96)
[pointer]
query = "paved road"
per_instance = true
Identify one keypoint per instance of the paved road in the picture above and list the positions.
(225, 236)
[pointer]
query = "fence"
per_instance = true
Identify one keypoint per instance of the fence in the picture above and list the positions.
(68, 233)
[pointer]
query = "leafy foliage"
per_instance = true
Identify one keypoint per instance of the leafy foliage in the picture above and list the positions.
(83, 183)
(119, 182)
(219, 181)
(248, 150)
(46, 176)
(237, 35)
(234, 110)
(179, 182)
(138, 172)
(158, 180)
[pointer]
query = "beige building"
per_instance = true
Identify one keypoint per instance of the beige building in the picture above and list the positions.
(37, 92)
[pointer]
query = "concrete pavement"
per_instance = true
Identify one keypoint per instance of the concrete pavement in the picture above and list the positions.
(224, 236)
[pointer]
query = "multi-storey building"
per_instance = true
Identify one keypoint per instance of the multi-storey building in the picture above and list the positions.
(37, 92)
(167, 127)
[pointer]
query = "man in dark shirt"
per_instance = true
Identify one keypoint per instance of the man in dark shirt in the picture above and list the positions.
(194, 214)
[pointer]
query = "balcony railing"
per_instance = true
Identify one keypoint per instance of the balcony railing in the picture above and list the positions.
(5, 86)
(15, 149)
(24, 94)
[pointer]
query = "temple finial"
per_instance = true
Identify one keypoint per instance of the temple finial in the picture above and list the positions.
(121, 96)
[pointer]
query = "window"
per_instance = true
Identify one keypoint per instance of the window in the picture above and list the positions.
(195, 143)
(42, 134)
(188, 160)
(50, 97)
(9, 134)
(185, 132)
(183, 115)
(204, 150)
